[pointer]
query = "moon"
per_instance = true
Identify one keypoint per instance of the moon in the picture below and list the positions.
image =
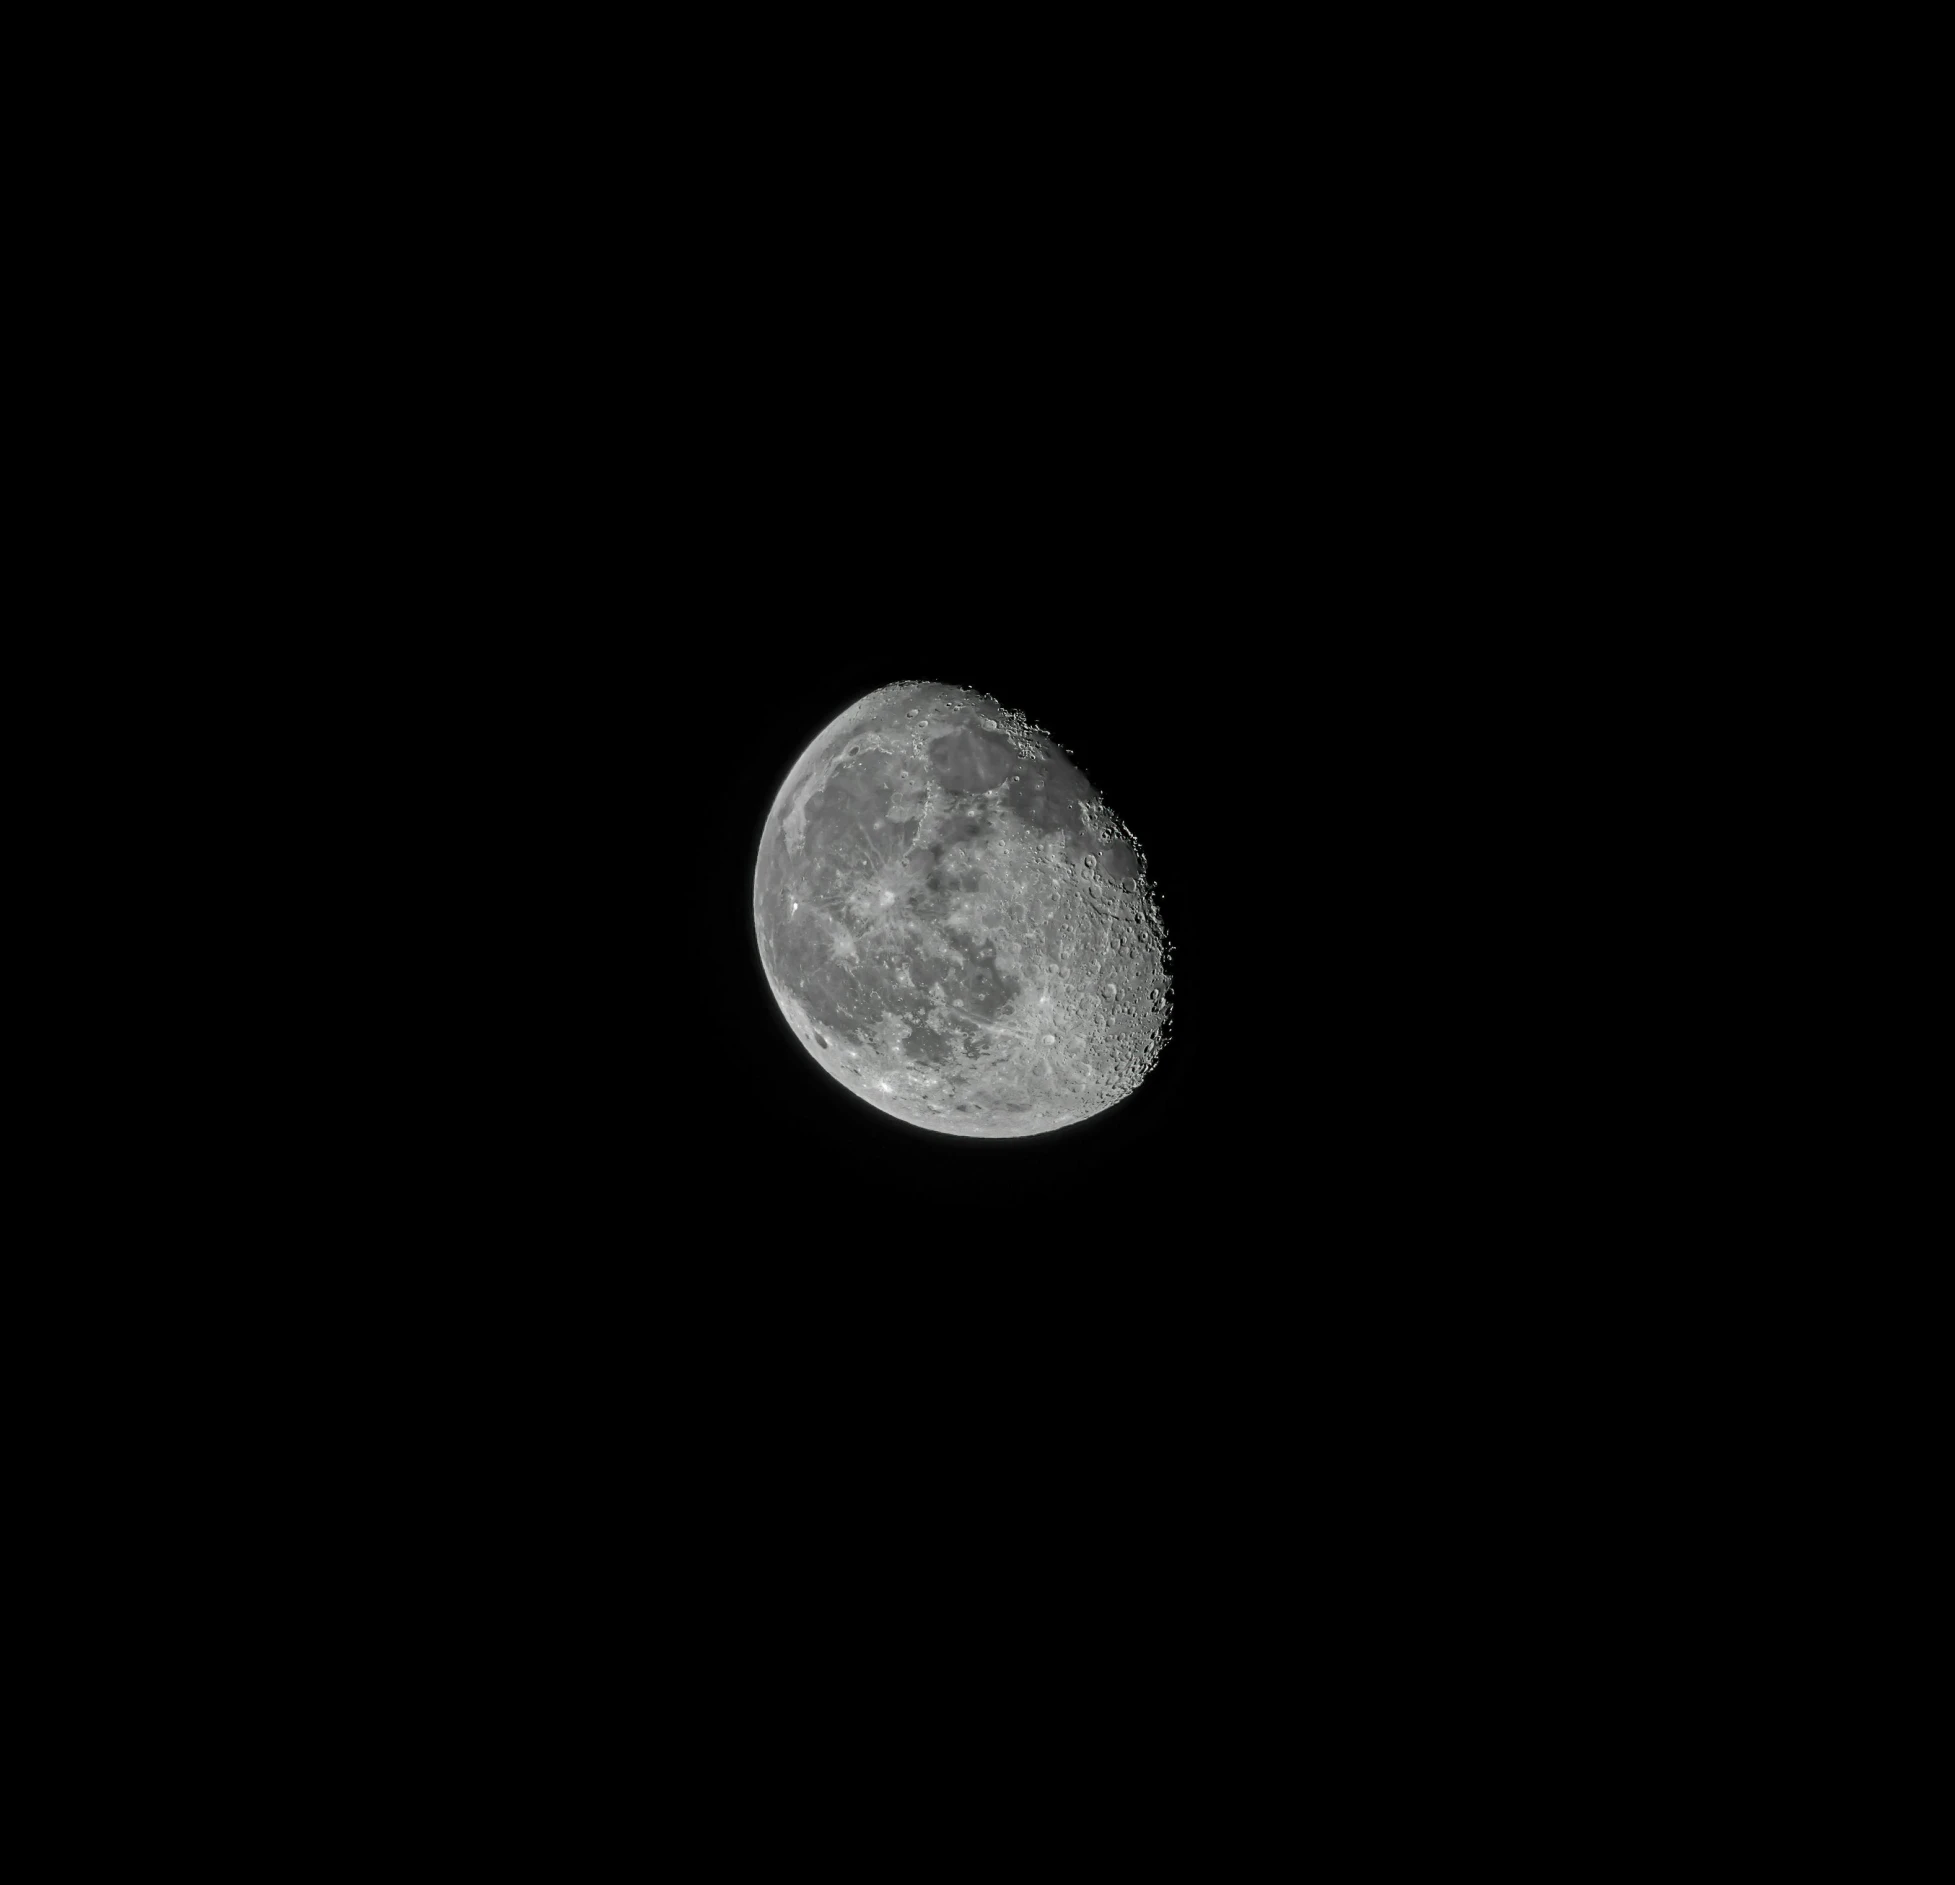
(955, 924)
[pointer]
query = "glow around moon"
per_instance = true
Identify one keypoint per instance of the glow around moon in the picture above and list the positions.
(956, 926)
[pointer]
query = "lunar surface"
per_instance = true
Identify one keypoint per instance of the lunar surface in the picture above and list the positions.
(955, 924)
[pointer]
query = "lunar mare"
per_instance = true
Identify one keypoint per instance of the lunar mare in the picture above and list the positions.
(955, 924)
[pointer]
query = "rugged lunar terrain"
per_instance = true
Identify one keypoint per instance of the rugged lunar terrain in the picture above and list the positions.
(954, 923)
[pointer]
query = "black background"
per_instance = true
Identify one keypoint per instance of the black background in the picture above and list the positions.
(1267, 483)
(1304, 591)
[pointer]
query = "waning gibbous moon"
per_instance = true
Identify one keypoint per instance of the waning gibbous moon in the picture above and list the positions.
(956, 926)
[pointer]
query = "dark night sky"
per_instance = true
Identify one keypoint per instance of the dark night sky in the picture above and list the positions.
(1278, 514)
